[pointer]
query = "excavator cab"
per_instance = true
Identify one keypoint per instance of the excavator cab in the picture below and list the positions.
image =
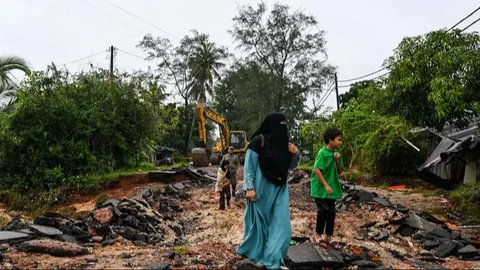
(237, 139)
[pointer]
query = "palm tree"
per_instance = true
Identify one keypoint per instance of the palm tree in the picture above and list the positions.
(204, 63)
(7, 65)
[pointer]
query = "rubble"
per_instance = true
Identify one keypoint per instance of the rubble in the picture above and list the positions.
(53, 247)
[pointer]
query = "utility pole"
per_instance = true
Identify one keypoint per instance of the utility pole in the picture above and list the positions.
(112, 49)
(336, 91)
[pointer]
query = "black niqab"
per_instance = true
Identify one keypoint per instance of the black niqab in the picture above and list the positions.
(274, 157)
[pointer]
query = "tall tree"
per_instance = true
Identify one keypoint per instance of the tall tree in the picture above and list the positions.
(204, 62)
(288, 45)
(7, 65)
(173, 67)
(435, 78)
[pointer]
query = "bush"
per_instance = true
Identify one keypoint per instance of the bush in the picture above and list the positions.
(64, 127)
(466, 197)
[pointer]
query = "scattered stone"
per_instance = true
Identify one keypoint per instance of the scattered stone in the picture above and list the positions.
(468, 252)
(91, 259)
(67, 238)
(440, 232)
(429, 244)
(364, 196)
(368, 224)
(139, 243)
(445, 250)
(97, 239)
(365, 264)
(425, 265)
(168, 255)
(179, 186)
(12, 237)
(380, 236)
(247, 264)
(406, 231)
(103, 215)
(52, 247)
(307, 255)
(456, 235)
(157, 266)
(382, 201)
(425, 253)
(45, 230)
(108, 242)
(417, 222)
(126, 255)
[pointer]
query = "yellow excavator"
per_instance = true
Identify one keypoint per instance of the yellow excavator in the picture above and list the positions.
(202, 156)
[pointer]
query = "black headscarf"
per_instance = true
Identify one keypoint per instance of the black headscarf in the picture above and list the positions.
(274, 157)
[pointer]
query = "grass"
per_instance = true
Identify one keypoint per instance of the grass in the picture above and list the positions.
(184, 250)
(34, 203)
(466, 198)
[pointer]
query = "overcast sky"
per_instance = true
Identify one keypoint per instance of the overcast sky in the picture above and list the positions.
(360, 34)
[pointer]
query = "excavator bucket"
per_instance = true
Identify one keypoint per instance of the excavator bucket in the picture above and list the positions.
(199, 157)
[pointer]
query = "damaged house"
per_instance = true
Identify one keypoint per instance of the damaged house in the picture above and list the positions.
(454, 156)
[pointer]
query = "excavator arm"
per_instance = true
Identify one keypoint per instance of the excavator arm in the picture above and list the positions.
(205, 113)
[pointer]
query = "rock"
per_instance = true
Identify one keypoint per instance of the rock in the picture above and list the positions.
(179, 186)
(440, 232)
(67, 238)
(12, 237)
(17, 223)
(364, 196)
(108, 242)
(91, 259)
(158, 266)
(417, 222)
(126, 255)
(424, 265)
(406, 231)
(445, 250)
(111, 202)
(52, 247)
(97, 239)
(139, 243)
(103, 215)
(307, 256)
(429, 244)
(402, 209)
(247, 264)
(380, 236)
(53, 215)
(45, 230)
(168, 255)
(382, 201)
(365, 264)
(456, 235)
(425, 253)
(468, 250)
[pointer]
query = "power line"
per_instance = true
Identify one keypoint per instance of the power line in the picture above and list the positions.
(330, 92)
(377, 71)
(471, 24)
(132, 54)
(363, 76)
(139, 18)
(83, 58)
(459, 22)
(115, 18)
(379, 76)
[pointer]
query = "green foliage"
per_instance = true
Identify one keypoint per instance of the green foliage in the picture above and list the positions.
(286, 44)
(434, 78)
(66, 127)
(247, 94)
(466, 198)
(311, 135)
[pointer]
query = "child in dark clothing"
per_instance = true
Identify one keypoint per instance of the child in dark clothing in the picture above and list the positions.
(223, 184)
(325, 184)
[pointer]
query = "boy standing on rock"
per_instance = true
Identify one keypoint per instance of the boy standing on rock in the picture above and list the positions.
(325, 184)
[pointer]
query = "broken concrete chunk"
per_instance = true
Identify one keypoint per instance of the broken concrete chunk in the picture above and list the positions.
(103, 215)
(429, 244)
(157, 266)
(445, 250)
(417, 222)
(307, 256)
(179, 186)
(440, 232)
(380, 236)
(45, 230)
(12, 237)
(53, 247)
(468, 250)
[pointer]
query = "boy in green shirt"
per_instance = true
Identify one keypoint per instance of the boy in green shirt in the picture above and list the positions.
(325, 184)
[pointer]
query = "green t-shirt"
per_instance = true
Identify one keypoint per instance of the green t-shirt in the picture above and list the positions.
(325, 162)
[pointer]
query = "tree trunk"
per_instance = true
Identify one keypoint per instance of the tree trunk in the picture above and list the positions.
(185, 122)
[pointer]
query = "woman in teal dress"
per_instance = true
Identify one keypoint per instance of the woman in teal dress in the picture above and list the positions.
(267, 228)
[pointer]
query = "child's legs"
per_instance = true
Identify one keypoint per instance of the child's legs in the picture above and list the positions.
(322, 205)
(227, 194)
(222, 199)
(331, 213)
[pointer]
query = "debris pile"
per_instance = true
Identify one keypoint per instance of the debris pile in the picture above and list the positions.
(150, 218)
